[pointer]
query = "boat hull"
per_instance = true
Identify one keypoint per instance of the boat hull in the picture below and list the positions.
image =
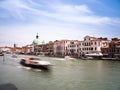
(44, 67)
(92, 58)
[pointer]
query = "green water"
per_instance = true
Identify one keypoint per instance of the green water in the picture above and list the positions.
(65, 75)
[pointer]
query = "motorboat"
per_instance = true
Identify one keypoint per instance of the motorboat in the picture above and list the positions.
(87, 58)
(14, 56)
(34, 62)
(93, 56)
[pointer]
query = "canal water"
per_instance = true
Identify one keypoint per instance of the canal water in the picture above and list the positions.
(65, 74)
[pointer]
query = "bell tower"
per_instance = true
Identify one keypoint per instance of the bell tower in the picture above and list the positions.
(37, 36)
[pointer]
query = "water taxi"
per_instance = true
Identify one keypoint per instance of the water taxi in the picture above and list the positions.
(34, 62)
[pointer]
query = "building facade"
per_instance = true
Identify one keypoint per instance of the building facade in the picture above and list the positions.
(50, 48)
(105, 51)
(72, 49)
(92, 45)
(37, 46)
(114, 48)
(61, 47)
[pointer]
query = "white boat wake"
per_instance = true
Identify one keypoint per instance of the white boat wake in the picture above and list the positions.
(60, 59)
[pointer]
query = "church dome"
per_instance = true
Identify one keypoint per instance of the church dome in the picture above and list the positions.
(36, 41)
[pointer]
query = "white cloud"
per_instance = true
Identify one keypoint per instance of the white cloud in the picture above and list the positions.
(71, 9)
(79, 14)
(14, 7)
(83, 8)
(53, 21)
(59, 11)
(17, 8)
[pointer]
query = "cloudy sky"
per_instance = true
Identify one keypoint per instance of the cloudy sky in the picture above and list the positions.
(21, 20)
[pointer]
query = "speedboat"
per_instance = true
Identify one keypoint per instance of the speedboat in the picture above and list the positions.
(14, 56)
(35, 63)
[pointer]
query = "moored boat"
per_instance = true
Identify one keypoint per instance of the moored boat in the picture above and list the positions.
(114, 59)
(93, 56)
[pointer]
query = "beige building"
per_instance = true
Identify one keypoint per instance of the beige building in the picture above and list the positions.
(60, 47)
(73, 48)
(92, 45)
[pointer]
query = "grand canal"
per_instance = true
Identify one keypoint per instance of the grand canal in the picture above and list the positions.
(65, 75)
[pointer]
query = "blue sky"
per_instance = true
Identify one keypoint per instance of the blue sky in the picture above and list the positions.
(21, 20)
